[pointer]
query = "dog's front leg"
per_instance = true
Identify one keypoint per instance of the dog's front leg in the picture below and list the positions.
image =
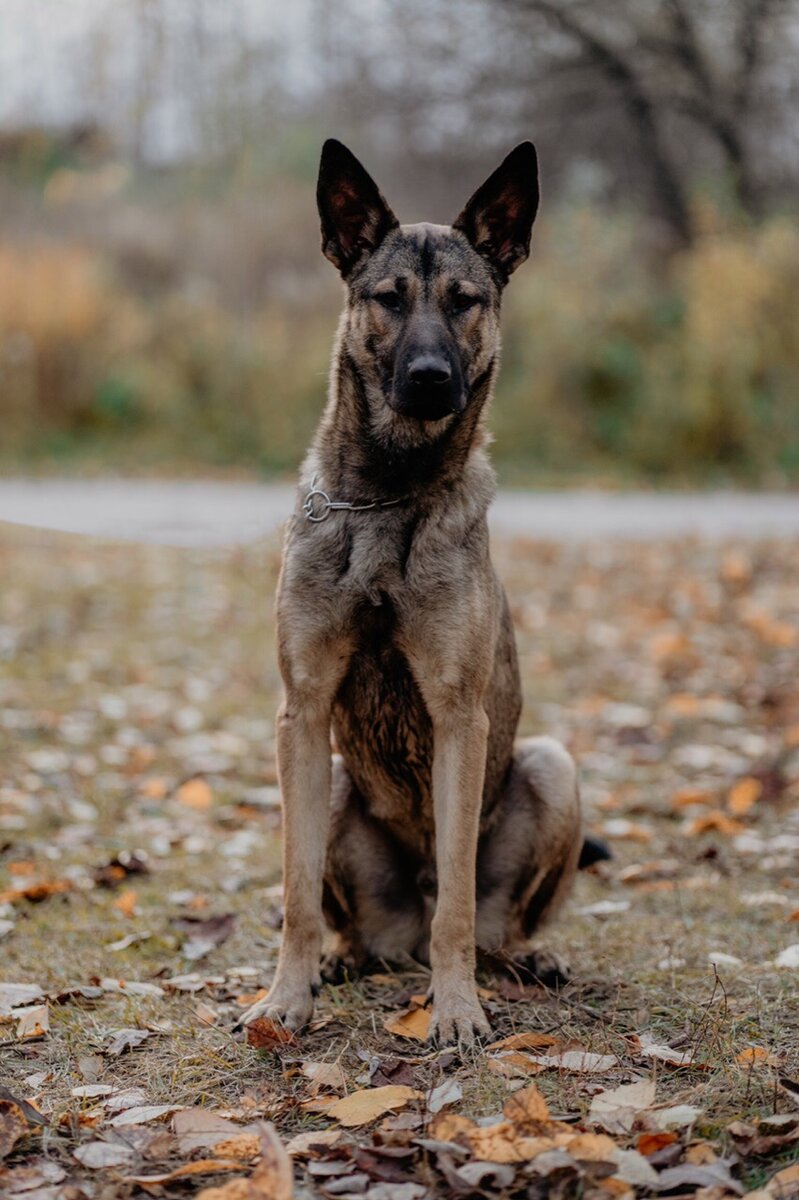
(304, 767)
(459, 757)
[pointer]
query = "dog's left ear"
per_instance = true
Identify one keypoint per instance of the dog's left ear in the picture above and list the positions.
(498, 219)
(355, 216)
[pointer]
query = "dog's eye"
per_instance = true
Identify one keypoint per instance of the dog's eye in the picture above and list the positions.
(390, 300)
(461, 301)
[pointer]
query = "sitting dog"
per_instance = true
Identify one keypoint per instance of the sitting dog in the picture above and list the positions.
(431, 833)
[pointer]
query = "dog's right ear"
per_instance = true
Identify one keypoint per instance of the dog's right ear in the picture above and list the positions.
(355, 216)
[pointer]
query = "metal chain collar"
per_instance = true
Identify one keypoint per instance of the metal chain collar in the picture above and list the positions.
(318, 510)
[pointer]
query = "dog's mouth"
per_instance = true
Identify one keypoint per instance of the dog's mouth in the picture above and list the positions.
(426, 402)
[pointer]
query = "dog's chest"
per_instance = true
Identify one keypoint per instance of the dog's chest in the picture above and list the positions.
(382, 727)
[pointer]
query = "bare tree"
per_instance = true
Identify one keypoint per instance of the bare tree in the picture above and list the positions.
(664, 59)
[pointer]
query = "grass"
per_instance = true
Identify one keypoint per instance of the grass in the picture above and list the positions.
(129, 670)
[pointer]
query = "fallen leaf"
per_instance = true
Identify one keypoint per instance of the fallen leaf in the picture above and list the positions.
(743, 795)
(512, 1064)
(35, 892)
(413, 1023)
(200, 1129)
(325, 1075)
(126, 1039)
(765, 1135)
(302, 1144)
(649, 1143)
(265, 1034)
(142, 1114)
(13, 1125)
(581, 1061)
(363, 1106)
(789, 957)
(242, 1146)
(32, 1022)
(616, 1110)
(715, 821)
(674, 1116)
(196, 794)
(205, 933)
(126, 902)
(272, 1179)
(524, 1041)
(526, 1106)
(201, 1166)
(12, 995)
(99, 1155)
(752, 1055)
(448, 1092)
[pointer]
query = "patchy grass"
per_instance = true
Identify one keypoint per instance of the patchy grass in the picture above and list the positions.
(670, 671)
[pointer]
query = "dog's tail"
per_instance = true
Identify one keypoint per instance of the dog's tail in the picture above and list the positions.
(593, 851)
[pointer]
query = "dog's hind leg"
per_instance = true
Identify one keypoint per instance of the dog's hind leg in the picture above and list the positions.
(371, 897)
(528, 856)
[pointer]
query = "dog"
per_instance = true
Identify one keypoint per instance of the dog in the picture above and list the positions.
(431, 832)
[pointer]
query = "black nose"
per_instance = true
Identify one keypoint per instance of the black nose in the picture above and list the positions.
(429, 369)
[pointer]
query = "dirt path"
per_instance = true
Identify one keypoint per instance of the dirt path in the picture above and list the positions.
(197, 513)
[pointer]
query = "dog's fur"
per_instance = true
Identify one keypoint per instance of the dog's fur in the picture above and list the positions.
(431, 833)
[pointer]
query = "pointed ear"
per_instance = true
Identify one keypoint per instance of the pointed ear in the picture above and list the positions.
(499, 217)
(355, 217)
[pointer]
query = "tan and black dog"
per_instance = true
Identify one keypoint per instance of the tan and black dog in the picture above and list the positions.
(432, 833)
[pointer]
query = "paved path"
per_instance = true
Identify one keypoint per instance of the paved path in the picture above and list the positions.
(182, 513)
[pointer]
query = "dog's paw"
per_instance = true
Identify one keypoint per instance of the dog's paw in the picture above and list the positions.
(457, 1018)
(291, 1007)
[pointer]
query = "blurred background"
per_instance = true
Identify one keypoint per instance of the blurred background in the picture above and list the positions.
(165, 309)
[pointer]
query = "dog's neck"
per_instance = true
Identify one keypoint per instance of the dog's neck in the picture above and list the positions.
(361, 458)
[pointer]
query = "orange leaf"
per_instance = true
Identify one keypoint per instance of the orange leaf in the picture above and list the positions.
(715, 821)
(527, 1106)
(367, 1104)
(524, 1041)
(263, 1034)
(743, 795)
(414, 1023)
(126, 902)
(195, 793)
(752, 1054)
(648, 1143)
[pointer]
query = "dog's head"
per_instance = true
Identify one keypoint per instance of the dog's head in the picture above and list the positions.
(422, 319)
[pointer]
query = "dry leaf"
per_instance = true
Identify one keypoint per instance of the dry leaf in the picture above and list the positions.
(13, 1125)
(524, 1041)
(195, 793)
(583, 1062)
(272, 1179)
(715, 821)
(325, 1075)
(365, 1105)
(616, 1110)
(755, 1054)
(448, 1092)
(126, 902)
(141, 1114)
(303, 1143)
(202, 1166)
(200, 1129)
(99, 1155)
(13, 995)
(32, 1022)
(265, 1034)
(743, 795)
(512, 1064)
(526, 1106)
(413, 1023)
(244, 1146)
(126, 1039)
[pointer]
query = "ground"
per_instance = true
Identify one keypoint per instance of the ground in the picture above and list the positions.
(139, 845)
